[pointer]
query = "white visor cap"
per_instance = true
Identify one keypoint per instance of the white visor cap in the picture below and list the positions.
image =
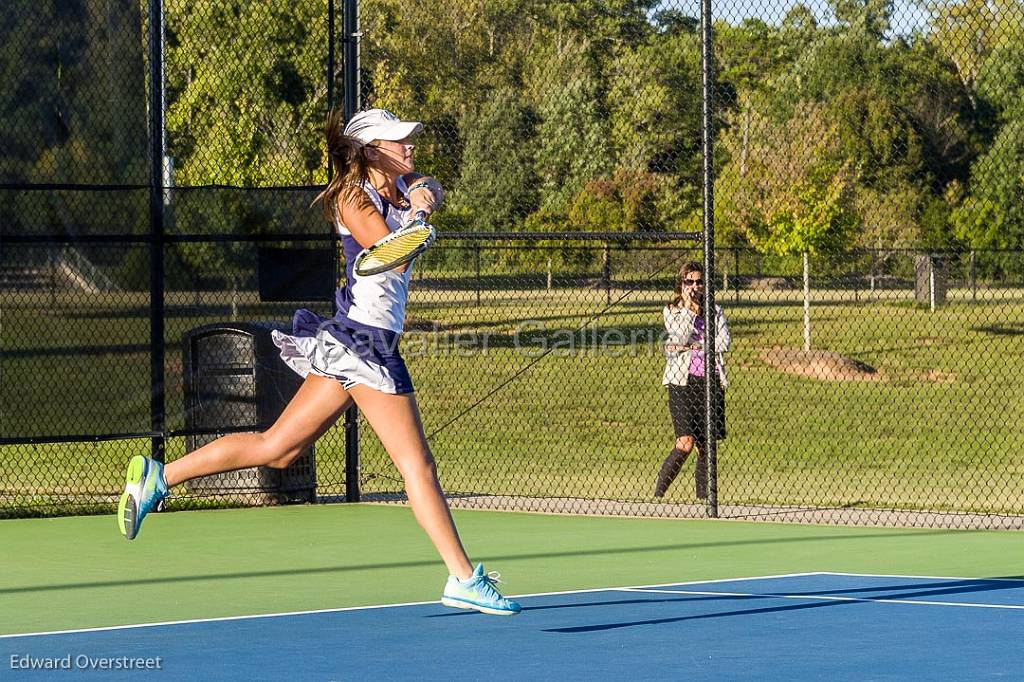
(380, 124)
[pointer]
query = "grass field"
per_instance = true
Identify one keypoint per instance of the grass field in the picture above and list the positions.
(939, 430)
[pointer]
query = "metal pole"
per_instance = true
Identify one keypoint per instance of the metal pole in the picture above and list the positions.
(351, 56)
(931, 282)
(352, 491)
(166, 162)
(476, 263)
(330, 65)
(350, 31)
(874, 268)
(156, 229)
(51, 273)
(807, 304)
(736, 275)
(606, 275)
(350, 40)
(710, 317)
(974, 280)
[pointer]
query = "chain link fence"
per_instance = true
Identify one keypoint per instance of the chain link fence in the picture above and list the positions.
(867, 178)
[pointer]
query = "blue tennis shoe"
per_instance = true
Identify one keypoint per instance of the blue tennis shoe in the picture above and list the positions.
(478, 592)
(144, 488)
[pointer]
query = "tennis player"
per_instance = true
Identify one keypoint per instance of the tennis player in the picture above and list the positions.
(352, 357)
(686, 377)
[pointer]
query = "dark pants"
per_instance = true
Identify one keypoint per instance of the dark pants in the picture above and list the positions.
(686, 405)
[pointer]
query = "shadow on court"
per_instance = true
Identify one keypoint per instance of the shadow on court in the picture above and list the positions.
(326, 570)
(883, 592)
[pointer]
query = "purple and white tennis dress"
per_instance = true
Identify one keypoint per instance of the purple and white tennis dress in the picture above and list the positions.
(359, 345)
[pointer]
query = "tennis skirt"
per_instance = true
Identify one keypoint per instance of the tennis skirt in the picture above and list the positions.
(686, 405)
(347, 351)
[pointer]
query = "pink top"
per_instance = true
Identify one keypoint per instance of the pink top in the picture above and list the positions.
(697, 357)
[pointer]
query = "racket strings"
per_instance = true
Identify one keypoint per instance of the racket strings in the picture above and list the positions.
(400, 246)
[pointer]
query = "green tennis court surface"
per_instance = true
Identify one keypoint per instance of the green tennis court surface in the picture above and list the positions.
(69, 573)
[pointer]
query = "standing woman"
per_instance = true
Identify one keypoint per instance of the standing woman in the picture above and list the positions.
(352, 357)
(686, 377)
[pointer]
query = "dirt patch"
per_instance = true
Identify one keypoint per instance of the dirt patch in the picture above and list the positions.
(769, 284)
(938, 376)
(420, 324)
(933, 340)
(820, 364)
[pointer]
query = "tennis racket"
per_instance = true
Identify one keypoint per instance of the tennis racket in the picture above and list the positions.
(398, 248)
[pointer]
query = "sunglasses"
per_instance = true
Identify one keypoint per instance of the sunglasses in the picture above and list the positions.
(694, 282)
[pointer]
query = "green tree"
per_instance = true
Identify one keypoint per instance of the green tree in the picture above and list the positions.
(993, 216)
(967, 32)
(572, 130)
(438, 60)
(794, 192)
(497, 187)
(902, 118)
(75, 112)
(655, 124)
(247, 94)
(866, 18)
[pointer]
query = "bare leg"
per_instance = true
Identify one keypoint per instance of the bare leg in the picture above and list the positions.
(315, 407)
(672, 464)
(396, 421)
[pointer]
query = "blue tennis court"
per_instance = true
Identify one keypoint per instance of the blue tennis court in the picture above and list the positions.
(802, 626)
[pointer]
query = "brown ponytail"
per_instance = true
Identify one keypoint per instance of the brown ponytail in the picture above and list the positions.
(349, 161)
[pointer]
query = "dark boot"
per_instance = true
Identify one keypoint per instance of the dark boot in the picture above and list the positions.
(669, 470)
(700, 475)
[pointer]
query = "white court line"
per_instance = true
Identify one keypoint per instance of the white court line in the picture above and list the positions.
(923, 577)
(385, 606)
(816, 597)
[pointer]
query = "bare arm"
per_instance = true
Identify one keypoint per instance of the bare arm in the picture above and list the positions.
(361, 217)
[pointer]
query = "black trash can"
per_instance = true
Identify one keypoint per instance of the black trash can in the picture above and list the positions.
(234, 378)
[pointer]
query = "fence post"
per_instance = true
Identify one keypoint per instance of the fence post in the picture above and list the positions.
(479, 284)
(736, 273)
(931, 282)
(51, 275)
(350, 40)
(351, 92)
(710, 317)
(549, 273)
(807, 303)
(974, 280)
(606, 274)
(156, 229)
(874, 267)
(352, 492)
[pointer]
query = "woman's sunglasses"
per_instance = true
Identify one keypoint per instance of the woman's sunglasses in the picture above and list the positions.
(694, 282)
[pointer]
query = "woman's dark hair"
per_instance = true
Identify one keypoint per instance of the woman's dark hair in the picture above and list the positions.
(688, 267)
(349, 161)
